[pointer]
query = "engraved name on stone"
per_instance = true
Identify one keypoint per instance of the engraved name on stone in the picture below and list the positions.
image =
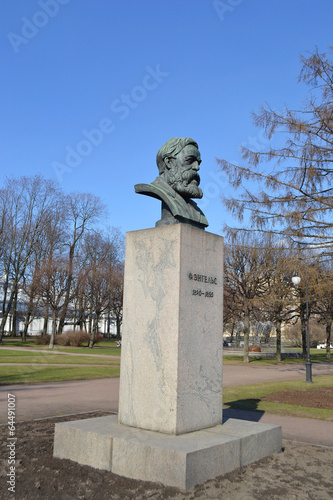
(202, 278)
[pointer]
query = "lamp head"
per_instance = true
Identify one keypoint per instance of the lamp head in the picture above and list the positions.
(296, 280)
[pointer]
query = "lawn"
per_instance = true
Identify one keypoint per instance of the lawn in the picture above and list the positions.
(97, 350)
(105, 347)
(30, 342)
(34, 373)
(317, 356)
(249, 397)
(50, 357)
(29, 364)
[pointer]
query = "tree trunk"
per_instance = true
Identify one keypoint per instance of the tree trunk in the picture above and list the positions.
(54, 331)
(92, 340)
(96, 322)
(94, 330)
(232, 332)
(7, 307)
(303, 330)
(4, 310)
(14, 315)
(118, 325)
(328, 339)
(246, 337)
(3, 325)
(81, 320)
(26, 326)
(68, 290)
(27, 320)
(108, 325)
(46, 320)
(278, 340)
(90, 324)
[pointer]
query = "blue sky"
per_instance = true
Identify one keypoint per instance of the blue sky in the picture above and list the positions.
(92, 89)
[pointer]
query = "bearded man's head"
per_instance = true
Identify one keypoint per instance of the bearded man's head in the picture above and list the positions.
(178, 162)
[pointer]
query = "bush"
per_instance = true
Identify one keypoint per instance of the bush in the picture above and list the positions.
(79, 338)
(98, 338)
(73, 338)
(63, 339)
(42, 339)
(254, 348)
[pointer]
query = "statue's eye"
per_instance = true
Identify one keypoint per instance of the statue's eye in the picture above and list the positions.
(191, 159)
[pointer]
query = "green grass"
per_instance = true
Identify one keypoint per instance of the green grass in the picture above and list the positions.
(97, 350)
(48, 357)
(317, 356)
(33, 374)
(81, 350)
(248, 397)
(17, 343)
(30, 341)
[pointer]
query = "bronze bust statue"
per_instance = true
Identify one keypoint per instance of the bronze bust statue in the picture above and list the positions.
(178, 163)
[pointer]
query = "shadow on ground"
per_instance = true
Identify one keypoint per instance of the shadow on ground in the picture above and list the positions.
(240, 409)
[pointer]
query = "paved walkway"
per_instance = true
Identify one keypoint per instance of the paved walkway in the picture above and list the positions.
(35, 401)
(243, 374)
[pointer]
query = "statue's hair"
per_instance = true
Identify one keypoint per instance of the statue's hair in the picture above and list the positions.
(171, 149)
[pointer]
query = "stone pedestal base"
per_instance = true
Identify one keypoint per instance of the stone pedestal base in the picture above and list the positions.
(180, 461)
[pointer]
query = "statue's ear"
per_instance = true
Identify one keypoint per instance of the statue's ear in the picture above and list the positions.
(168, 162)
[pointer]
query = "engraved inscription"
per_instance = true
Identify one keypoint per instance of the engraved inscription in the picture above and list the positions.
(202, 278)
(202, 293)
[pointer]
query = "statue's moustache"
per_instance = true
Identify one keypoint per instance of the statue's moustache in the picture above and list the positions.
(191, 176)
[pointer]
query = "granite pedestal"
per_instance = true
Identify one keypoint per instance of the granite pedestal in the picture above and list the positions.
(180, 461)
(169, 427)
(171, 361)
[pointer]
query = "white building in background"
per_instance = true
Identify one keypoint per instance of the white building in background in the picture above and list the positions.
(106, 326)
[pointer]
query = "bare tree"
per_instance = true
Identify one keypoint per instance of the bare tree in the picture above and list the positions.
(278, 305)
(52, 256)
(50, 243)
(247, 278)
(116, 296)
(101, 258)
(324, 305)
(296, 196)
(28, 203)
(52, 282)
(82, 210)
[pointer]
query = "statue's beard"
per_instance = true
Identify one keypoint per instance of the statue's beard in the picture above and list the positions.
(186, 183)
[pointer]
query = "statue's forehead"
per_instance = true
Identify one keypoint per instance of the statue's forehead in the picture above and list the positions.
(191, 150)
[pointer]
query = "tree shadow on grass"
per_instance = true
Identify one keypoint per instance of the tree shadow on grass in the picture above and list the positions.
(243, 409)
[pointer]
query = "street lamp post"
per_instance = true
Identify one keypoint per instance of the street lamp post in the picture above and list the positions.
(308, 365)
